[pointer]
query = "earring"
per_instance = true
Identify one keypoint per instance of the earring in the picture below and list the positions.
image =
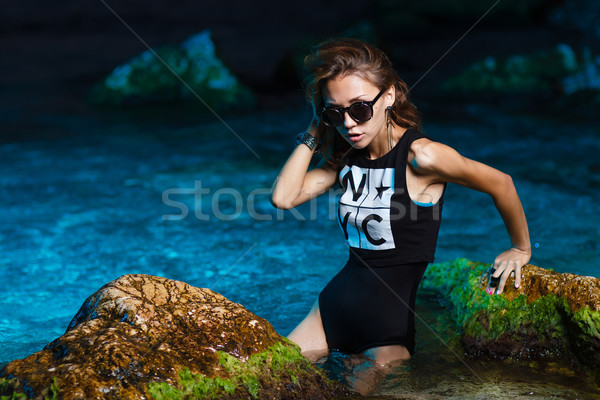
(389, 124)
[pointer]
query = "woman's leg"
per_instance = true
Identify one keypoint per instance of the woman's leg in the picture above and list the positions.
(310, 336)
(372, 366)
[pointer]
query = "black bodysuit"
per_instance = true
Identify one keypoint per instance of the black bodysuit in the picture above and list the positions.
(370, 302)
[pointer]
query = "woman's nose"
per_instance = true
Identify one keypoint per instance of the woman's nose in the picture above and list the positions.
(348, 121)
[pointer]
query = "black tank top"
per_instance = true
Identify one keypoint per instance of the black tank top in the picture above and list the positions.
(381, 223)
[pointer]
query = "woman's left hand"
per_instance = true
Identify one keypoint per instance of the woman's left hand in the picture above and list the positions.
(511, 260)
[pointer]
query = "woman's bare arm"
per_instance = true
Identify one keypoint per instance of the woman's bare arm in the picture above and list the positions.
(446, 164)
(295, 184)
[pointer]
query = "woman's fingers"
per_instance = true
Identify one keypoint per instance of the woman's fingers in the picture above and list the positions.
(499, 273)
(500, 266)
(503, 278)
(518, 275)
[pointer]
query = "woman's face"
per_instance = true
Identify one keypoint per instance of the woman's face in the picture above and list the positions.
(345, 90)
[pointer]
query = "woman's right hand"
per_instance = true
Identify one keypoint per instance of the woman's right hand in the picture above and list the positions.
(314, 126)
(315, 113)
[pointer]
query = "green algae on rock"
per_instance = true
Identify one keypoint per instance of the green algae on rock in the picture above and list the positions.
(143, 335)
(169, 74)
(283, 363)
(551, 316)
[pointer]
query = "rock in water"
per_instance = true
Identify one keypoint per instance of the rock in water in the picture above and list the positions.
(564, 72)
(537, 72)
(552, 316)
(143, 337)
(188, 71)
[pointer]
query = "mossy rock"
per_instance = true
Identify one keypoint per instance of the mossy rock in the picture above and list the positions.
(142, 337)
(539, 72)
(292, 377)
(190, 71)
(551, 316)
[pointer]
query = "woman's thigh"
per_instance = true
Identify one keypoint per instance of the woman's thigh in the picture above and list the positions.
(310, 336)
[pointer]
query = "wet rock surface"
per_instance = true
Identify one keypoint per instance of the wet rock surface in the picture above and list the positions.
(142, 337)
(552, 316)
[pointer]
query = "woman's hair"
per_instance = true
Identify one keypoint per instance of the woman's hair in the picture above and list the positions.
(342, 57)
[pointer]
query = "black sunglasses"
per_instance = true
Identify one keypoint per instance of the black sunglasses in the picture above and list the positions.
(361, 111)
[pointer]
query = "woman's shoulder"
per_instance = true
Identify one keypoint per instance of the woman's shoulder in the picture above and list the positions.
(428, 153)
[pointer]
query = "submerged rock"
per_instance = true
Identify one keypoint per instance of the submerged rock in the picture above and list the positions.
(143, 337)
(552, 316)
(189, 71)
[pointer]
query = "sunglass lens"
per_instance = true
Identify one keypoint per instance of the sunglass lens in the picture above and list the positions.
(332, 117)
(360, 112)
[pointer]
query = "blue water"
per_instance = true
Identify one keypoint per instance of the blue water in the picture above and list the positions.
(106, 198)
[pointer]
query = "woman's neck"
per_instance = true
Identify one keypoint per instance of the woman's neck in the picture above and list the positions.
(384, 142)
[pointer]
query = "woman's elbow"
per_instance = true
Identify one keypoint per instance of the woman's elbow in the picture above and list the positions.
(502, 186)
(279, 202)
(507, 180)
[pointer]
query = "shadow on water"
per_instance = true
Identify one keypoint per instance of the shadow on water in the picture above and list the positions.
(84, 208)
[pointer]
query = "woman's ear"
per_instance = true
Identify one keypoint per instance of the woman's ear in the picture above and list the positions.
(390, 96)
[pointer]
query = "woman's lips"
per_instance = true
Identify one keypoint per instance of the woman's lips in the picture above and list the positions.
(355, 137)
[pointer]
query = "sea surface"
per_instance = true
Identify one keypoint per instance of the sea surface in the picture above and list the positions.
(188, 200)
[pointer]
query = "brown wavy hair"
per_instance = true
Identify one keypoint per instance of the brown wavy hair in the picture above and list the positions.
(341, 57)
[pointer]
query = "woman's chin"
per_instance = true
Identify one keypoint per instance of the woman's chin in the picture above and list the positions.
(357, 144)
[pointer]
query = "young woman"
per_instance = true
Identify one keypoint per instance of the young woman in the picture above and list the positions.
(393, 180)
